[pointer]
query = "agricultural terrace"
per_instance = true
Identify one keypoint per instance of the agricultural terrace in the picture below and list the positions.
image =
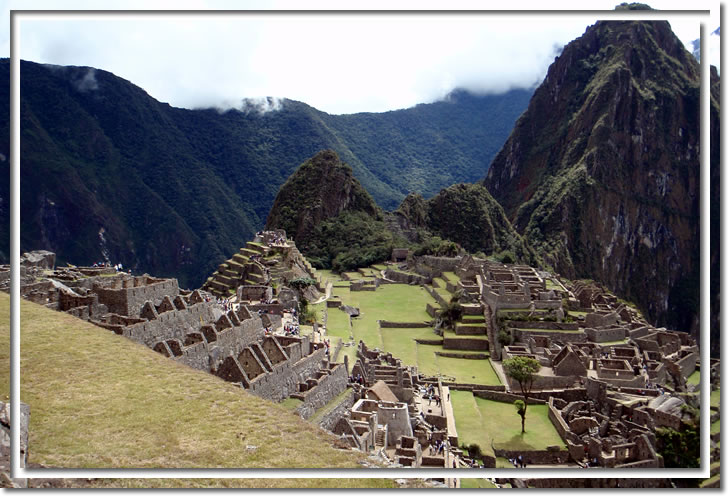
(401, 303)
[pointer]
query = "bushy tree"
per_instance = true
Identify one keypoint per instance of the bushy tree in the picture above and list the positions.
(523, 370)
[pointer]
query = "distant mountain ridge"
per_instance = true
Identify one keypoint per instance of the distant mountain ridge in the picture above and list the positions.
(108, 171)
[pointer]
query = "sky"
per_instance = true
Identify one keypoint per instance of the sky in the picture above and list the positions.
(338, 63)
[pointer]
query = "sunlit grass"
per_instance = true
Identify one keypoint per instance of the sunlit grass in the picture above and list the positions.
(484, 421)
(694, 378)
(715, 398)
(99, 400)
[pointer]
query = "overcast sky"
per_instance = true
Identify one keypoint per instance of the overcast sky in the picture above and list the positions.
(340, 63)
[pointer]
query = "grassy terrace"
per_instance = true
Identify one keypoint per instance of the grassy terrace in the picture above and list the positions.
(100, 400)
(715, 398)
(694, 378)
(452, 277)
(476, 484)
(404, 303)
(484, 422)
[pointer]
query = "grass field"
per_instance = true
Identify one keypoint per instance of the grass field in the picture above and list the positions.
(694, 378)
(460, 369)
(476, 484)
(484, 421)
(100, 400)
(715, 398)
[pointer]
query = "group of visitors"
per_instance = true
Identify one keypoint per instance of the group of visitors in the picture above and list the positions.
(438, 446)
(291, 329)
(117, 267)
(277, 240)
(356, 379)
(518, 461)
(225, 303)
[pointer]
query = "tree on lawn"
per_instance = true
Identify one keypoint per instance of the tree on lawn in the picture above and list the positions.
(522, 370)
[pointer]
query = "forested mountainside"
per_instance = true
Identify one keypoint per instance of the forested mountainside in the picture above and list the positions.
(108, 171)
(601, 173)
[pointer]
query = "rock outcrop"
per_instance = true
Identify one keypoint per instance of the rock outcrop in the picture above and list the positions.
(601, 173)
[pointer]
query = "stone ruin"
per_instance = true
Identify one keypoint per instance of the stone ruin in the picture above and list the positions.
(236, 342)
(605, 374)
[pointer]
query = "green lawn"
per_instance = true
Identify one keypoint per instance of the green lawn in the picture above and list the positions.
(484, 421)
(403, 303)
(337, 323)
(476, 484)
(291, 403)
(575, 313)
(694, 378)
(452, 277)
(400, 342)
(715, 427)
(715, 398)
(461, 369)
(327, 274)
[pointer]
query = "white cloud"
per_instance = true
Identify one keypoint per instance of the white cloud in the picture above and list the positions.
(336, 63)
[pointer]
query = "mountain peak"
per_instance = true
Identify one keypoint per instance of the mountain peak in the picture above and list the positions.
(321, 188)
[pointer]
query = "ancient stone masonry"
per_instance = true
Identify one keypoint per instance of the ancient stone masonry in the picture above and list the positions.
(238, 341)
(392, 416)
(609, 377)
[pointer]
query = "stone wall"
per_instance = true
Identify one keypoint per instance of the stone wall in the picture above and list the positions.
(329, 387)
(464, 344)
(537, 457)
(567, 337)
(127, 296)
(5, 450)
(560, 326)
(688, 364)
(505, 397)
(443, 264)
(403, 325)
(329, 420)
(174, 324)
(405, 278)
(437, 296)
(557, 420)
(283, 380)
(606, 334)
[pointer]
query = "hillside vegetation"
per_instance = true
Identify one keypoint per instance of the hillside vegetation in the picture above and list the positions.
(99, 400)
(174, 192)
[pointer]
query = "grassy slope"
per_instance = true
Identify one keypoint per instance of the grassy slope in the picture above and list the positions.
(100, 400)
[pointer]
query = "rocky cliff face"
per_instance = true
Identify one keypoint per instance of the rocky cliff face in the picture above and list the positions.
(601, 172)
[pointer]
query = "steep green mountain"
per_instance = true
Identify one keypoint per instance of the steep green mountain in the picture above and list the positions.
(109, 172)
(600, 174)
(468, 215)
(332, 218)
(336, 224)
